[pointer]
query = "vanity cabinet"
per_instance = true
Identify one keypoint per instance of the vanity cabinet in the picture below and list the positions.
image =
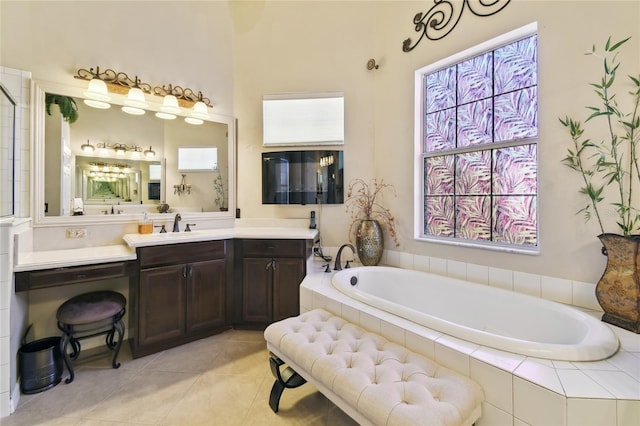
(270, 274)
(181, 294)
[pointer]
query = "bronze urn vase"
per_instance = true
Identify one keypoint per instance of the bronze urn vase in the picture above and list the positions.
(369, 242)
(618, 291)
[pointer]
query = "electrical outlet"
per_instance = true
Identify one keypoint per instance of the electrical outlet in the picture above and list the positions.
(76, 232)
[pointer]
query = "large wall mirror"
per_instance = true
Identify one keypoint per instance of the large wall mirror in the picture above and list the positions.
(119, 180)
(7, 151)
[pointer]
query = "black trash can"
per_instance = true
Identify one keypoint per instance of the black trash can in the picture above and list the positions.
(40, 364)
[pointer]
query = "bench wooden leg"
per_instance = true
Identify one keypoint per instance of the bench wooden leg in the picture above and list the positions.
(284, 379)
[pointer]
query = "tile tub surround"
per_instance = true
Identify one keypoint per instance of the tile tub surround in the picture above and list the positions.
(518, 389)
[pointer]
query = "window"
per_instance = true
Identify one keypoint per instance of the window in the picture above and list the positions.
(476, 145)
(197, 159)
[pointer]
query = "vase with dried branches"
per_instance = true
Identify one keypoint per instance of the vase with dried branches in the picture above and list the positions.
(369, 218)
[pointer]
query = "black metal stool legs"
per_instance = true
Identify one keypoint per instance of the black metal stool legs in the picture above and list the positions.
(70, 341)
(64, 341)
(118, 326)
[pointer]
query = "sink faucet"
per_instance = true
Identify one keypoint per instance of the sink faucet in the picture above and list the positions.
(337, 266)
(176, 227)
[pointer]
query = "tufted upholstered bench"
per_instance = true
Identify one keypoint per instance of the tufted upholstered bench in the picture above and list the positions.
(371, 379)
(87, 315)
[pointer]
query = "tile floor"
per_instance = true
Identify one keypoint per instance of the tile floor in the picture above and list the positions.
(221, 380)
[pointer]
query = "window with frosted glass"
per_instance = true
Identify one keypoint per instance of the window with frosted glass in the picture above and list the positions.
(479, 147)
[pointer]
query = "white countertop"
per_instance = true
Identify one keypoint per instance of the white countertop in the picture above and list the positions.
(36, 260)
(143, 240)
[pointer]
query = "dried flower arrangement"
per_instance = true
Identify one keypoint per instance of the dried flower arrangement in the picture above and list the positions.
(362, 204)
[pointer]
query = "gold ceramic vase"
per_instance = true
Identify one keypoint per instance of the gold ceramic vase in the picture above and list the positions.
(369, 242)
(618, 291)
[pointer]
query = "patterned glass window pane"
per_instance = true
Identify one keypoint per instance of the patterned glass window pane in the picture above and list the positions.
(515, 170)
(516, 115)
(516, 65)
(441, 90)
(440, 216)
(473, 173)
(487, 193)
(475, 123)
(475, 78)
(473, 218)
(439, 176)
(515, 218)
(441, 130)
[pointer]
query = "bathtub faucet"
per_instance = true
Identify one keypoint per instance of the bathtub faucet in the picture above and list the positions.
(337, 266)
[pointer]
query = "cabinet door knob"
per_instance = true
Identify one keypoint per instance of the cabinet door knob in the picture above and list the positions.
(184, 271)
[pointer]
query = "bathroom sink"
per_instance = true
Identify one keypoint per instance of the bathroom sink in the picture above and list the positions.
(142, 240)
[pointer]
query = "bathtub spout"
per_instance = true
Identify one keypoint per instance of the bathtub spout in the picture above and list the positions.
(338, 266)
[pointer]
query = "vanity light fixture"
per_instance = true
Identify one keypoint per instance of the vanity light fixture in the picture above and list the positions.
(175, 97)
(135, 101)
(122, 149)
(199, 113)
(87, 148)
(169, 108)
(149, 153)
(97, 94)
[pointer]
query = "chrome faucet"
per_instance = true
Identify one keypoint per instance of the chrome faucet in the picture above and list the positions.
(176, 227)
(337, 266)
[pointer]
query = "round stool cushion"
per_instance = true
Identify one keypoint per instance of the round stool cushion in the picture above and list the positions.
(91, 307)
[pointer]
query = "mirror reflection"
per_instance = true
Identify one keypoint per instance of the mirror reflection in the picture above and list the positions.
(105, 161)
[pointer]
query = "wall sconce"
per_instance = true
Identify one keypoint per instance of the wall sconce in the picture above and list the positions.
(175, 97)
(182, 187)
(122, 149)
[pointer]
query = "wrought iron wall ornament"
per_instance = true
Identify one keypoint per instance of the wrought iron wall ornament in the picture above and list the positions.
(440, 20)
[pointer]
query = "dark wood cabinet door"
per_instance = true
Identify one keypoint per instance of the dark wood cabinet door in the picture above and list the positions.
(287, 276)
(161, 304)
(206, 295)
(257, 290)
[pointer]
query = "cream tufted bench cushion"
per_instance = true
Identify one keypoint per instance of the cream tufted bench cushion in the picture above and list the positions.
(373, 380)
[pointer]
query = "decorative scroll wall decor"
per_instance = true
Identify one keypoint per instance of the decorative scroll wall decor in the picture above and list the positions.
(440, 20)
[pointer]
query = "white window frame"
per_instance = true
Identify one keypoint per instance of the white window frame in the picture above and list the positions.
(419, 108)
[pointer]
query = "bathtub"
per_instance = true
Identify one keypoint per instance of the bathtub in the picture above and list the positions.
(484, 315)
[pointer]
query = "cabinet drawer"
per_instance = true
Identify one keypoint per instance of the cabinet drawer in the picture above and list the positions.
(268, 248)
(71, 275)
(180, 253)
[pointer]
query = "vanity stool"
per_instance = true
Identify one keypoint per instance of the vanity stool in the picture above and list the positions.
(87, 315)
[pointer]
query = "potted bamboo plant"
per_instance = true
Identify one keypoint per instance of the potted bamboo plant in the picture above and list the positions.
(218, 185)
(369, 219)
(610, 180)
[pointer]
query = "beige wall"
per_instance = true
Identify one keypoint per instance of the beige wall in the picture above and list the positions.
(309, 46)
(237, 51)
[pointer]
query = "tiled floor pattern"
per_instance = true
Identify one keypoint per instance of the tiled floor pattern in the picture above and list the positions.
(221, 380)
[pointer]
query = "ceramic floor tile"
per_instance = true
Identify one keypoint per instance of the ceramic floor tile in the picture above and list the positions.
(215, 399)
(146, 399)
(91, 387)
(300, 406)
(223, 379)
